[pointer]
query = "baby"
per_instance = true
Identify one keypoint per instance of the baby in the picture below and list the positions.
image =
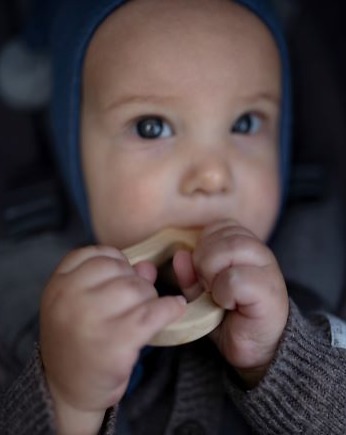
(175, 113)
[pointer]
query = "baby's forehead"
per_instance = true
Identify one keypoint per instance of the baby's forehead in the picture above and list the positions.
(159, 34)
(140, 21)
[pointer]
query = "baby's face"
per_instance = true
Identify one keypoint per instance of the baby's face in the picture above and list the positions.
(180, 119)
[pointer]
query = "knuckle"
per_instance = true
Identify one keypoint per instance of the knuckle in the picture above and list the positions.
(237, 241)
(139, 288)
(61, 302)
(55, 291)
(74, 255)
(228, 280)
(109, 251)
(147, 315)
(231, 276)
(82, 255)
(107, 265)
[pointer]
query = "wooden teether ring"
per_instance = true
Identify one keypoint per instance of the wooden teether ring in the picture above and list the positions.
(202, 315)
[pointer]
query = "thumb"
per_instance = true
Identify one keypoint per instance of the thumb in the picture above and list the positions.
(186, 275)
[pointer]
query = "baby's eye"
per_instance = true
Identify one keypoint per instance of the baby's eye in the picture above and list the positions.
(153, 128)
(249, 123)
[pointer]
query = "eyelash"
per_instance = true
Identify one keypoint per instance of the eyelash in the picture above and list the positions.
(164, 125)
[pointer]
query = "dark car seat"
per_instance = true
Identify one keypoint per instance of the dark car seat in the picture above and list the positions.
(310, 245)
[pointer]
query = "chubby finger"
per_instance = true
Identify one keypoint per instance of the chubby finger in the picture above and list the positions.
(227, 248)
(220, 226)
(184, 269)
(146, 270)
(119, 295)
(96, 270)
(186, 275)
(145, 321)
(76, 258)
(253, 291)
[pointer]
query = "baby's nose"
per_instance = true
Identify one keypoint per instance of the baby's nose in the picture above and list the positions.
(210, 176)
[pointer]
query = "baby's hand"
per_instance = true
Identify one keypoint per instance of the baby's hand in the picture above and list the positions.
(97, 312)
(244, 278)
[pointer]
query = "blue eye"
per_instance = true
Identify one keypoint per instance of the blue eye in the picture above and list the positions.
(249, 123)
(153, 128)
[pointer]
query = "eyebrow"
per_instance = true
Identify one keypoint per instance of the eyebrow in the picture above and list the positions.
(139, 99)
(272, 97)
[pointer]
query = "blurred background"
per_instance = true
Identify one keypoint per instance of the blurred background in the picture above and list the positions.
(38, 225)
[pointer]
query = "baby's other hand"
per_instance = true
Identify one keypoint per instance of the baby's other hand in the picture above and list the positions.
(243, 276)
(97, 312)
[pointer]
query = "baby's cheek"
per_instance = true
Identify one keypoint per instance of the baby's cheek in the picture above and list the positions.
(261, 210)
(268, 213)
(132, 216)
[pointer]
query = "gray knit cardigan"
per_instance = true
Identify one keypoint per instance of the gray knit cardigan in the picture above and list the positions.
(192, 391)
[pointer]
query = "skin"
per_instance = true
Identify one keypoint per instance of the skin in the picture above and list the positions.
(213, 78)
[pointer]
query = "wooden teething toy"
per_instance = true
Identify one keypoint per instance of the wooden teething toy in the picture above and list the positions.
(202, 315)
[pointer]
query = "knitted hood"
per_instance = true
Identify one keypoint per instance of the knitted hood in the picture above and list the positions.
(72, 31)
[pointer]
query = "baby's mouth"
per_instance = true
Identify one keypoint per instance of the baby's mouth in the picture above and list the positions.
(202, 315)
(160, 249)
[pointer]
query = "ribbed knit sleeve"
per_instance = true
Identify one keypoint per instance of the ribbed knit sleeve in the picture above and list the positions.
(304, 390)
(26, 408)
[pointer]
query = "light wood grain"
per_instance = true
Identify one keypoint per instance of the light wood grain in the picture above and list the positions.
(202, 315)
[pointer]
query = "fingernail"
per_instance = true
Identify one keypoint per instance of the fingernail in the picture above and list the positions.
(182, 300)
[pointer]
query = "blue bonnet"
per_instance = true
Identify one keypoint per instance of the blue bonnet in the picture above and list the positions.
(72, 31)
